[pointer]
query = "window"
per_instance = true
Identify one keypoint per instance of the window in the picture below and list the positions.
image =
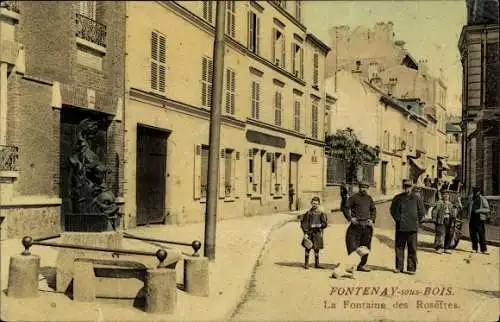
(204, 171)
(368, 173)
(492, 96)
(277, 174)
(208, 11)
(335, 170)
(316, 69)
(279, 48)
(405, 137)
(253, 33)
(230, 20)
(228, 172)
(314, 119)
(281, 3)
(411, 141)
(158, 60)
(230, 90)
(87, 9)
(255, 101)
(254, 186)
(206, 82)
(298, 10)
(278, 97)
(297, 61)
(296, 116)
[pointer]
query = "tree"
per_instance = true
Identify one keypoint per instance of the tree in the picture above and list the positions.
(345, 144)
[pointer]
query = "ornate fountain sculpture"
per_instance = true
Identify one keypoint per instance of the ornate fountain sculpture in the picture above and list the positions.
(93, 203)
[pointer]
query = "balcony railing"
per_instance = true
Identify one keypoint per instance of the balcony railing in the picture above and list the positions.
(90, 30)
(10, 5)
(9, 155)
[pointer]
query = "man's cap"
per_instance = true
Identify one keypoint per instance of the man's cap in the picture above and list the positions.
(363, 184)
(407, 183)
(476, 189)
(315, 198)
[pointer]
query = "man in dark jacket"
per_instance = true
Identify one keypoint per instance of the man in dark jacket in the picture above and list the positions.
(344, 195)
(361, 213)
(408, 210)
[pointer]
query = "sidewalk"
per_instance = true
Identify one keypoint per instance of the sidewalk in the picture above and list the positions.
(239, 245)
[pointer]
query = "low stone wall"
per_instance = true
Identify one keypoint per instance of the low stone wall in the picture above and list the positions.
(36, 221)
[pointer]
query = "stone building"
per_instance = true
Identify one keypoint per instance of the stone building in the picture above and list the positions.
(386, 124)
(368, 68)
(272, 114)
(479, 49)
(59, 64)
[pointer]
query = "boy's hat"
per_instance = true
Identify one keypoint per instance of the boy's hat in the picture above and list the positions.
(407, 183)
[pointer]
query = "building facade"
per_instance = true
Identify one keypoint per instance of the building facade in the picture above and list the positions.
(388, 126)
(272, 130)
(377, 55)
(454, 147)
(479, 49)
(60, 64)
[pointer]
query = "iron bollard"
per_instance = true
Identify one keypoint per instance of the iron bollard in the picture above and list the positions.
(196, 244)
(161, 255)
(27, 243)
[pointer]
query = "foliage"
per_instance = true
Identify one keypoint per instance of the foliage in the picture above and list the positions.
(346, 144)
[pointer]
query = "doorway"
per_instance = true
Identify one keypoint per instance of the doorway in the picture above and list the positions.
(383, 178)
(293, 176)
(151, 175)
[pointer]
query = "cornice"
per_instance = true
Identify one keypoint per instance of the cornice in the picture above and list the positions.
(288, 15)
(275, 128)
(167, 103)
(316, 142)
(321, 45)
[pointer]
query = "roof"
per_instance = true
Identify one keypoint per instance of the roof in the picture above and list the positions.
(318, 42)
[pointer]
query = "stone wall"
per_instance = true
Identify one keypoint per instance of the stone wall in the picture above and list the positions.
(35, 221)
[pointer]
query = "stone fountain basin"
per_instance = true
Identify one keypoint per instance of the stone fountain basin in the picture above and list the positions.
(122, 280)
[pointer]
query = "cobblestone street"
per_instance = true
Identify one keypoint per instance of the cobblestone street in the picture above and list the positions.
(283, 290)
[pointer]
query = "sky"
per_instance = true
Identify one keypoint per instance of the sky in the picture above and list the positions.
(430, 29)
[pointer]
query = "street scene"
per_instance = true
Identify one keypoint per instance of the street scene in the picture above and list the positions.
(249, 160)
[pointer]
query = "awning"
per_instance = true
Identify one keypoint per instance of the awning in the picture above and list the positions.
(443, 164)
(418, 164)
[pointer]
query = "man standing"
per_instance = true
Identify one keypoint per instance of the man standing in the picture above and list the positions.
(361, 213)
(408, 210)
(344, 195)
(445, 217)
(312, 223)
(478, 210)
(291, 194)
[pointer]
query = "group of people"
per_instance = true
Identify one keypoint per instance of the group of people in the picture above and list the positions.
(408, 210)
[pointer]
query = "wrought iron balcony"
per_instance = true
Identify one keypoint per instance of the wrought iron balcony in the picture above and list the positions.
(90, 30)
(10, 5)
(9, 155)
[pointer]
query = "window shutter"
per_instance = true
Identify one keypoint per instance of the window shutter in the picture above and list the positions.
(204, 85)
(294, 56)
(210, 69)
(257, 35)
(301, 63)
(283, 51)
(273, 175)
(222, 174)
(284, 172)
(316, 69)
(228, 89)
(273, 42)
(250, 176)
(250, 31)
(197, 172)
(233, 22)
(233, 91)
(257, 170)
(257, 100)
(235, 181)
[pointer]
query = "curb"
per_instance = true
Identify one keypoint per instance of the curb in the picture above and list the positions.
(251, 279)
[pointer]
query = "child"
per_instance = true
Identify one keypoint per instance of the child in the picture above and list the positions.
(313, 223)
(348, 266)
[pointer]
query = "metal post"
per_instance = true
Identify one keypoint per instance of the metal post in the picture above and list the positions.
(214, 139)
